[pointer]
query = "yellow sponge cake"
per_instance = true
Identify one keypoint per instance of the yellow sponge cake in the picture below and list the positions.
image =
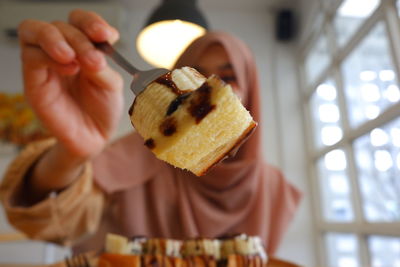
(189, 121)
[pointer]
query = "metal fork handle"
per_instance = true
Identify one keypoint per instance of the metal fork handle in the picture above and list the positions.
(106, 48)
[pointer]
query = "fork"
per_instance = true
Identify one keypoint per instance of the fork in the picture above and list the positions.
(140, 78)
(77, 261)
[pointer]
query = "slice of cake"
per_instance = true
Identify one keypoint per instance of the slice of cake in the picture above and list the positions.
(237, 251)
(189, 121)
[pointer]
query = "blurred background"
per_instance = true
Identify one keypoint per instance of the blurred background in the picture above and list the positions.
(331, 114)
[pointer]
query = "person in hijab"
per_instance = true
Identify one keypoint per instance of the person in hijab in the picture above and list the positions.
(75, 188)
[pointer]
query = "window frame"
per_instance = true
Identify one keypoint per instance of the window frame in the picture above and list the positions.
(386, 12)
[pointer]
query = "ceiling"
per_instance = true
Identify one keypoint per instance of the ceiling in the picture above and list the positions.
(235, 3)
(220, 4)
(267, 5)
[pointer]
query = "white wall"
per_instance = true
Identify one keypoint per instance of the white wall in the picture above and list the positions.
(281, 124)
(292, 147)
(309, 13)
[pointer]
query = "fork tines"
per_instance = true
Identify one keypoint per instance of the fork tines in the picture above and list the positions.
(77, 261)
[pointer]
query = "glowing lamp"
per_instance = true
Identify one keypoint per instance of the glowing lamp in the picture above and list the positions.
(169, 30)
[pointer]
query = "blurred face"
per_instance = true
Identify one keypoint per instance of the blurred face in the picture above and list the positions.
(215, 60)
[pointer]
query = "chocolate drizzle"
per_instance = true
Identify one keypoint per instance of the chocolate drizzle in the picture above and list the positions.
(222, 263)
(166, 80)
(228, 236)
(142, 261)
(154, 262)
(168, 126)
(176, 103)
(200, 104)
(150, 143)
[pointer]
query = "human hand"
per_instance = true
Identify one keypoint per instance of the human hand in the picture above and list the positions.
(68, 83)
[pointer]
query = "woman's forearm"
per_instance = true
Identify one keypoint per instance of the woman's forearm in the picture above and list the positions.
(54, 171)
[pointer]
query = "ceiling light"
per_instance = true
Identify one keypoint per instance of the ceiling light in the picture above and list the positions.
(170, 29)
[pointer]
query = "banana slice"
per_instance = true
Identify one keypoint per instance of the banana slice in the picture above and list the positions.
(189, 121)
(117, 244)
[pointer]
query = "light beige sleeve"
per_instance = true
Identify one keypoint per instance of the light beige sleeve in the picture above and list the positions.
(62, 218)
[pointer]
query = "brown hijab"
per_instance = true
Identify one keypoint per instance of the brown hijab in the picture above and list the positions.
(243, 195)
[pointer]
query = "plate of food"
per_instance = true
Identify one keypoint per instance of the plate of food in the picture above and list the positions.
(119, 251)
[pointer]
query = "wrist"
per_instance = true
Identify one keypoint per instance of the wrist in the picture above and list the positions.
(55, 170)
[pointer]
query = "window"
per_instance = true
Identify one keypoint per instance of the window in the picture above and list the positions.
(318, 59)
(350, 16)
(370, 82)
(334, 187)
(378, 164)
(342, 250)
(352, 101)
(385, 251)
